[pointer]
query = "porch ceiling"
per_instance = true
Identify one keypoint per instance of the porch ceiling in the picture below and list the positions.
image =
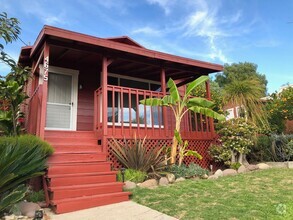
(77, 50)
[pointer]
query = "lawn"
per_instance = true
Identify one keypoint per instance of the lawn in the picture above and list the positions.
(266, 194)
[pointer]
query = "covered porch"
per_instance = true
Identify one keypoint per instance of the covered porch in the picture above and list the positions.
(112, 76)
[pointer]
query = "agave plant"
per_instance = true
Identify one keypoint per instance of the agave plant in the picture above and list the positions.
(135, 155)
(181, 105)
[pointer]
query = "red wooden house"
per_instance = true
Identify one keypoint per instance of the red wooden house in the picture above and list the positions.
(85, 90)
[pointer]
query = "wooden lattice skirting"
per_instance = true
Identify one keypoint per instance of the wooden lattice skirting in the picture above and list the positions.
(201, 146)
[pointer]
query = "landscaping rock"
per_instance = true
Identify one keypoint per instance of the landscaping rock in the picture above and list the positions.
(163, 181)
(129, 185)
(219, 173)
(171, 177)
(242, 169)
(151, 183)
(263, 166)
(205, 176)
(229, 172)
(213, 177)
(180, 179)
(252, 167)
(28, 208)
(42, 204)
(290, 164)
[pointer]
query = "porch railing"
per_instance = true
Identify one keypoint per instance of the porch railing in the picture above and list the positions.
(126, 116)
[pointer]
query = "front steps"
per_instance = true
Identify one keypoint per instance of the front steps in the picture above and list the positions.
(79, 176)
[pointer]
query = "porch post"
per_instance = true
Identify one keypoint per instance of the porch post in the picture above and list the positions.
(45, 91)
(163, 87)
(104, 82)
(208, 95)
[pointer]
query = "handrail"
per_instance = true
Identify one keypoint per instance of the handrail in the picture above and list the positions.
(127, 116)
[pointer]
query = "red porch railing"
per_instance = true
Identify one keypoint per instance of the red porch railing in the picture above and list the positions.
(126, 116)
(34, 111)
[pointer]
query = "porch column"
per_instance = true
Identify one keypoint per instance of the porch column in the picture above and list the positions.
(208, 95)
(163, 87)
(42, 119)
(104, 82)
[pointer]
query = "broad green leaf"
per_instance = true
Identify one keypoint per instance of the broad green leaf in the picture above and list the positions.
(202, 102)
(174, 93)
(193, 153)
(152, 102)
(191, 86)
(208, 112)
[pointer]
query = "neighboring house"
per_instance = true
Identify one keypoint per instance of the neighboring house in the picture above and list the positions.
(85, 90)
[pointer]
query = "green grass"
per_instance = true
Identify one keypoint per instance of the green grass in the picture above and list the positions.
(253, 195)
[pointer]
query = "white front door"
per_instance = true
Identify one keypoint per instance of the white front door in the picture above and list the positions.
(62, 101)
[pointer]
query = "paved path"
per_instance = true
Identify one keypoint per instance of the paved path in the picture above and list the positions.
(124, 210)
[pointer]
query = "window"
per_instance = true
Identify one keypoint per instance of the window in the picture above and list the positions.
(124, 107)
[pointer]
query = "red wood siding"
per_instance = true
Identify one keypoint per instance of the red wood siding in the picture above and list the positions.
(89, 79)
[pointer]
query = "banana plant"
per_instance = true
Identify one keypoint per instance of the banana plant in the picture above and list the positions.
(182, 151)
(181, 105)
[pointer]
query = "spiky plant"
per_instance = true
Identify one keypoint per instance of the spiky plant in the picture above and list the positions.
(135, 155)
(246, 94)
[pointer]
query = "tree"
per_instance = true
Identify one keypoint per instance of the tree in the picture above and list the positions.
(11, 86)
(216, 94)
(280, 108)
(241, 71)
(246, 94)
(181, 105)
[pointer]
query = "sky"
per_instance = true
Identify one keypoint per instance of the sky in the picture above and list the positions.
(217, 31)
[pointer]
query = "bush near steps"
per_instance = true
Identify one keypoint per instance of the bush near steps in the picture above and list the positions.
(22, 158)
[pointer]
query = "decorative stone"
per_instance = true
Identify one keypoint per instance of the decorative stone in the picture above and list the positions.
(205, 176)
(213, 177)
(242, 169)
(28, 208)
(252, 167)
(171, 177)
(229, 172)
(263, 166)
(151, 183)
(129, 185)
(290, 164)
(219, 173)
(180, 179)
(42, 204)
(163, 181)
(9, 217)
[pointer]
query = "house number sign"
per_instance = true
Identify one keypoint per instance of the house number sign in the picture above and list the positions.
(46, 68)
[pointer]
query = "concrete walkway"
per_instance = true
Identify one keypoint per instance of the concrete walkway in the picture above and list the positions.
(124, 210)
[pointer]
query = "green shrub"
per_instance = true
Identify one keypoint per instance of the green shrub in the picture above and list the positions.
(236, 138)
(187, 171)
(235, 166)
(132, 175)
(27, 141)
(262, 150)
(33, 196)
(21, 160)
(133, 154)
